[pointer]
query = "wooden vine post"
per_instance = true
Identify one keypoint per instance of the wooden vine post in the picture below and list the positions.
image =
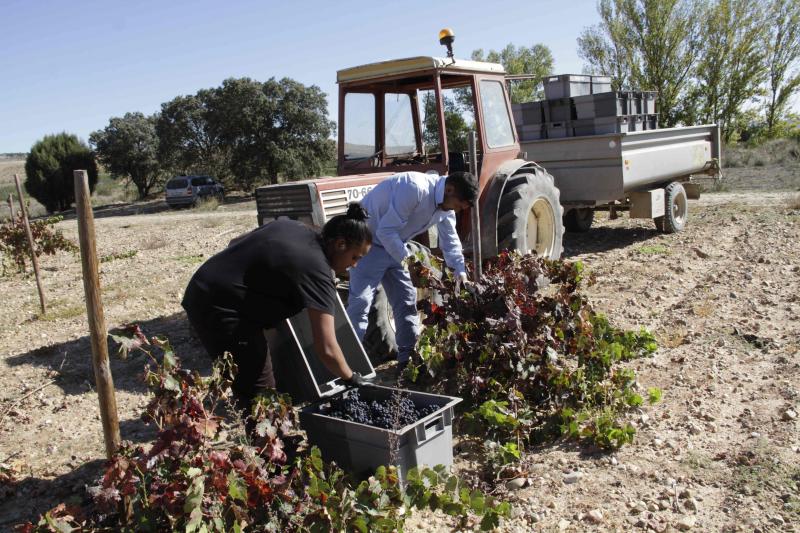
(34, 260)
(11, 204)
(94, 312)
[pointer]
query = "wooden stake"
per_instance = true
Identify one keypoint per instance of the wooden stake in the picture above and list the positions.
(11, 204)
(34, 260)
(94, 311)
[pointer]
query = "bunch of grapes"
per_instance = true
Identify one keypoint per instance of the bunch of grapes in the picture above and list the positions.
(393, 413)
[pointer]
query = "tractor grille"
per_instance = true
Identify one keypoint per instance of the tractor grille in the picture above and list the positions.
(334, 203)
(292, 201)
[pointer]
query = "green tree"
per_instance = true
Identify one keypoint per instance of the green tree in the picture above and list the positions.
(188, 141)
(536, 60)
(247, 132)
(646, 45)
(783, 52)
(280, 129)
(49, 167)
(128, 148)
(731, 68)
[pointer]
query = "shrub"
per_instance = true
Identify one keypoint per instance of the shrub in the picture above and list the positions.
(49, 169)
(529, 355)
(46, 240)
(204, 473)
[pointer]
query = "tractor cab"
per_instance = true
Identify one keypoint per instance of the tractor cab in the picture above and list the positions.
(415, 114)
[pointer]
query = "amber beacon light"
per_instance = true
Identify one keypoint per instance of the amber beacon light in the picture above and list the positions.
(446, 38)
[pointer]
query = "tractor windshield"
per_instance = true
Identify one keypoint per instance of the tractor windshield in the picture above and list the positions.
(394, 125)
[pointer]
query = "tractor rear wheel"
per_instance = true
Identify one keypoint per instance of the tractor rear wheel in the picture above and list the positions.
(530, 216)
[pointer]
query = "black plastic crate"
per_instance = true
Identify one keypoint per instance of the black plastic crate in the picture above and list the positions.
(360, 448)
(560, 110)
(609, 104)
(558, 130)
(601, 126)
(533, 132)
(566, 85)
(601, 84)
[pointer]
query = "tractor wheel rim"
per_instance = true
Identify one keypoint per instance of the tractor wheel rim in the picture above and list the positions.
(541, 228)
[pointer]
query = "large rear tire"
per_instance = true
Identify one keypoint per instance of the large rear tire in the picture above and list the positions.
(579, 220)
(676, 209)
(530, 216)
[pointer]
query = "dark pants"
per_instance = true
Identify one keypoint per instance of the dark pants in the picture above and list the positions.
(250, 353)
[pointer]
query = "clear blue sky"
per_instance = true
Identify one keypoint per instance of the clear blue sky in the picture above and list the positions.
(71, 65)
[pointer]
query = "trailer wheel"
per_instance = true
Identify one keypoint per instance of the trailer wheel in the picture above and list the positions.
(579, 220)
(676, 209)
(530, 216)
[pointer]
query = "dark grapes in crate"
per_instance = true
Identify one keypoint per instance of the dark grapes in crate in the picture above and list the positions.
(394, 412)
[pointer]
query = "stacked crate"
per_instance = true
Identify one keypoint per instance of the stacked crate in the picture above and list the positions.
(579, 105)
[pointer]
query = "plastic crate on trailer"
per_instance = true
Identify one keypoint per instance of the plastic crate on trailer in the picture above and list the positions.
(609, 104)
(650, 122)
(560, 110)
(532, 132)
(600, 126)
(601, 84)
(566, 85)
(558, 130)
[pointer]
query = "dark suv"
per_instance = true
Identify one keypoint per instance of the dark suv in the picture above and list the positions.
(188, 190)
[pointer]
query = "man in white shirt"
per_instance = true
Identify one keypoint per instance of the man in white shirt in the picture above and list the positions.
(400, 207)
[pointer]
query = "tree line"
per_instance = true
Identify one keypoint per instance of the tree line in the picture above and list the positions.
(244, 133)
(731, 62)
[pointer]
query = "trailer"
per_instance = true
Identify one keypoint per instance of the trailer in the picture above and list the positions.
(629, 171)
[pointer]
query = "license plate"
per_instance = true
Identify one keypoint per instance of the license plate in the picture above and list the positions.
(354, 194)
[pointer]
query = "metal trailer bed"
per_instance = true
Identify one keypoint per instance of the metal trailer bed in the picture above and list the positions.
(598, 169)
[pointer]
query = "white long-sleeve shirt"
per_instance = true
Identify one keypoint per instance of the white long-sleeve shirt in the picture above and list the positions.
(407, 204)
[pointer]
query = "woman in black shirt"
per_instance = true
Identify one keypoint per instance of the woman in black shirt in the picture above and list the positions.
(267, 276)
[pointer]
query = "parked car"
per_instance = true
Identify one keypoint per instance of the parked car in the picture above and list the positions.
(188, 190)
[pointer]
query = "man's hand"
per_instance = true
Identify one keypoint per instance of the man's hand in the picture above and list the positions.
(463, 283)
(357, 380)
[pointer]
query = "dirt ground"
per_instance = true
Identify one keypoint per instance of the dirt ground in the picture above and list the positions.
(720, 452)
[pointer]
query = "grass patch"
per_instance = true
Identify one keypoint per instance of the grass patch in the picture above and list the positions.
(704, 309)
(210, 203)
(653, 249)
(793, 202)
(152, 242)
(65, 312)
(121, 255)
(760, 473)
(189, 259)
(672, 337)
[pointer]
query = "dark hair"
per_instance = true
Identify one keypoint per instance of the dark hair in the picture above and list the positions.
(352, 227)
(465, 184)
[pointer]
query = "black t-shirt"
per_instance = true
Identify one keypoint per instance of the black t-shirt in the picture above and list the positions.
(269, 275)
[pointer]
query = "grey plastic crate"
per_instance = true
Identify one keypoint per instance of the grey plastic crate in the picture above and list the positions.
(566, 85)
(533, 132)
(648, 102)
(601, 84)
(650, 122)
(558, 130)
(609, 104)
(635, 123)
(361, 449)
(560, 110)
(528, 113)
(600, 126)
(302, 373)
